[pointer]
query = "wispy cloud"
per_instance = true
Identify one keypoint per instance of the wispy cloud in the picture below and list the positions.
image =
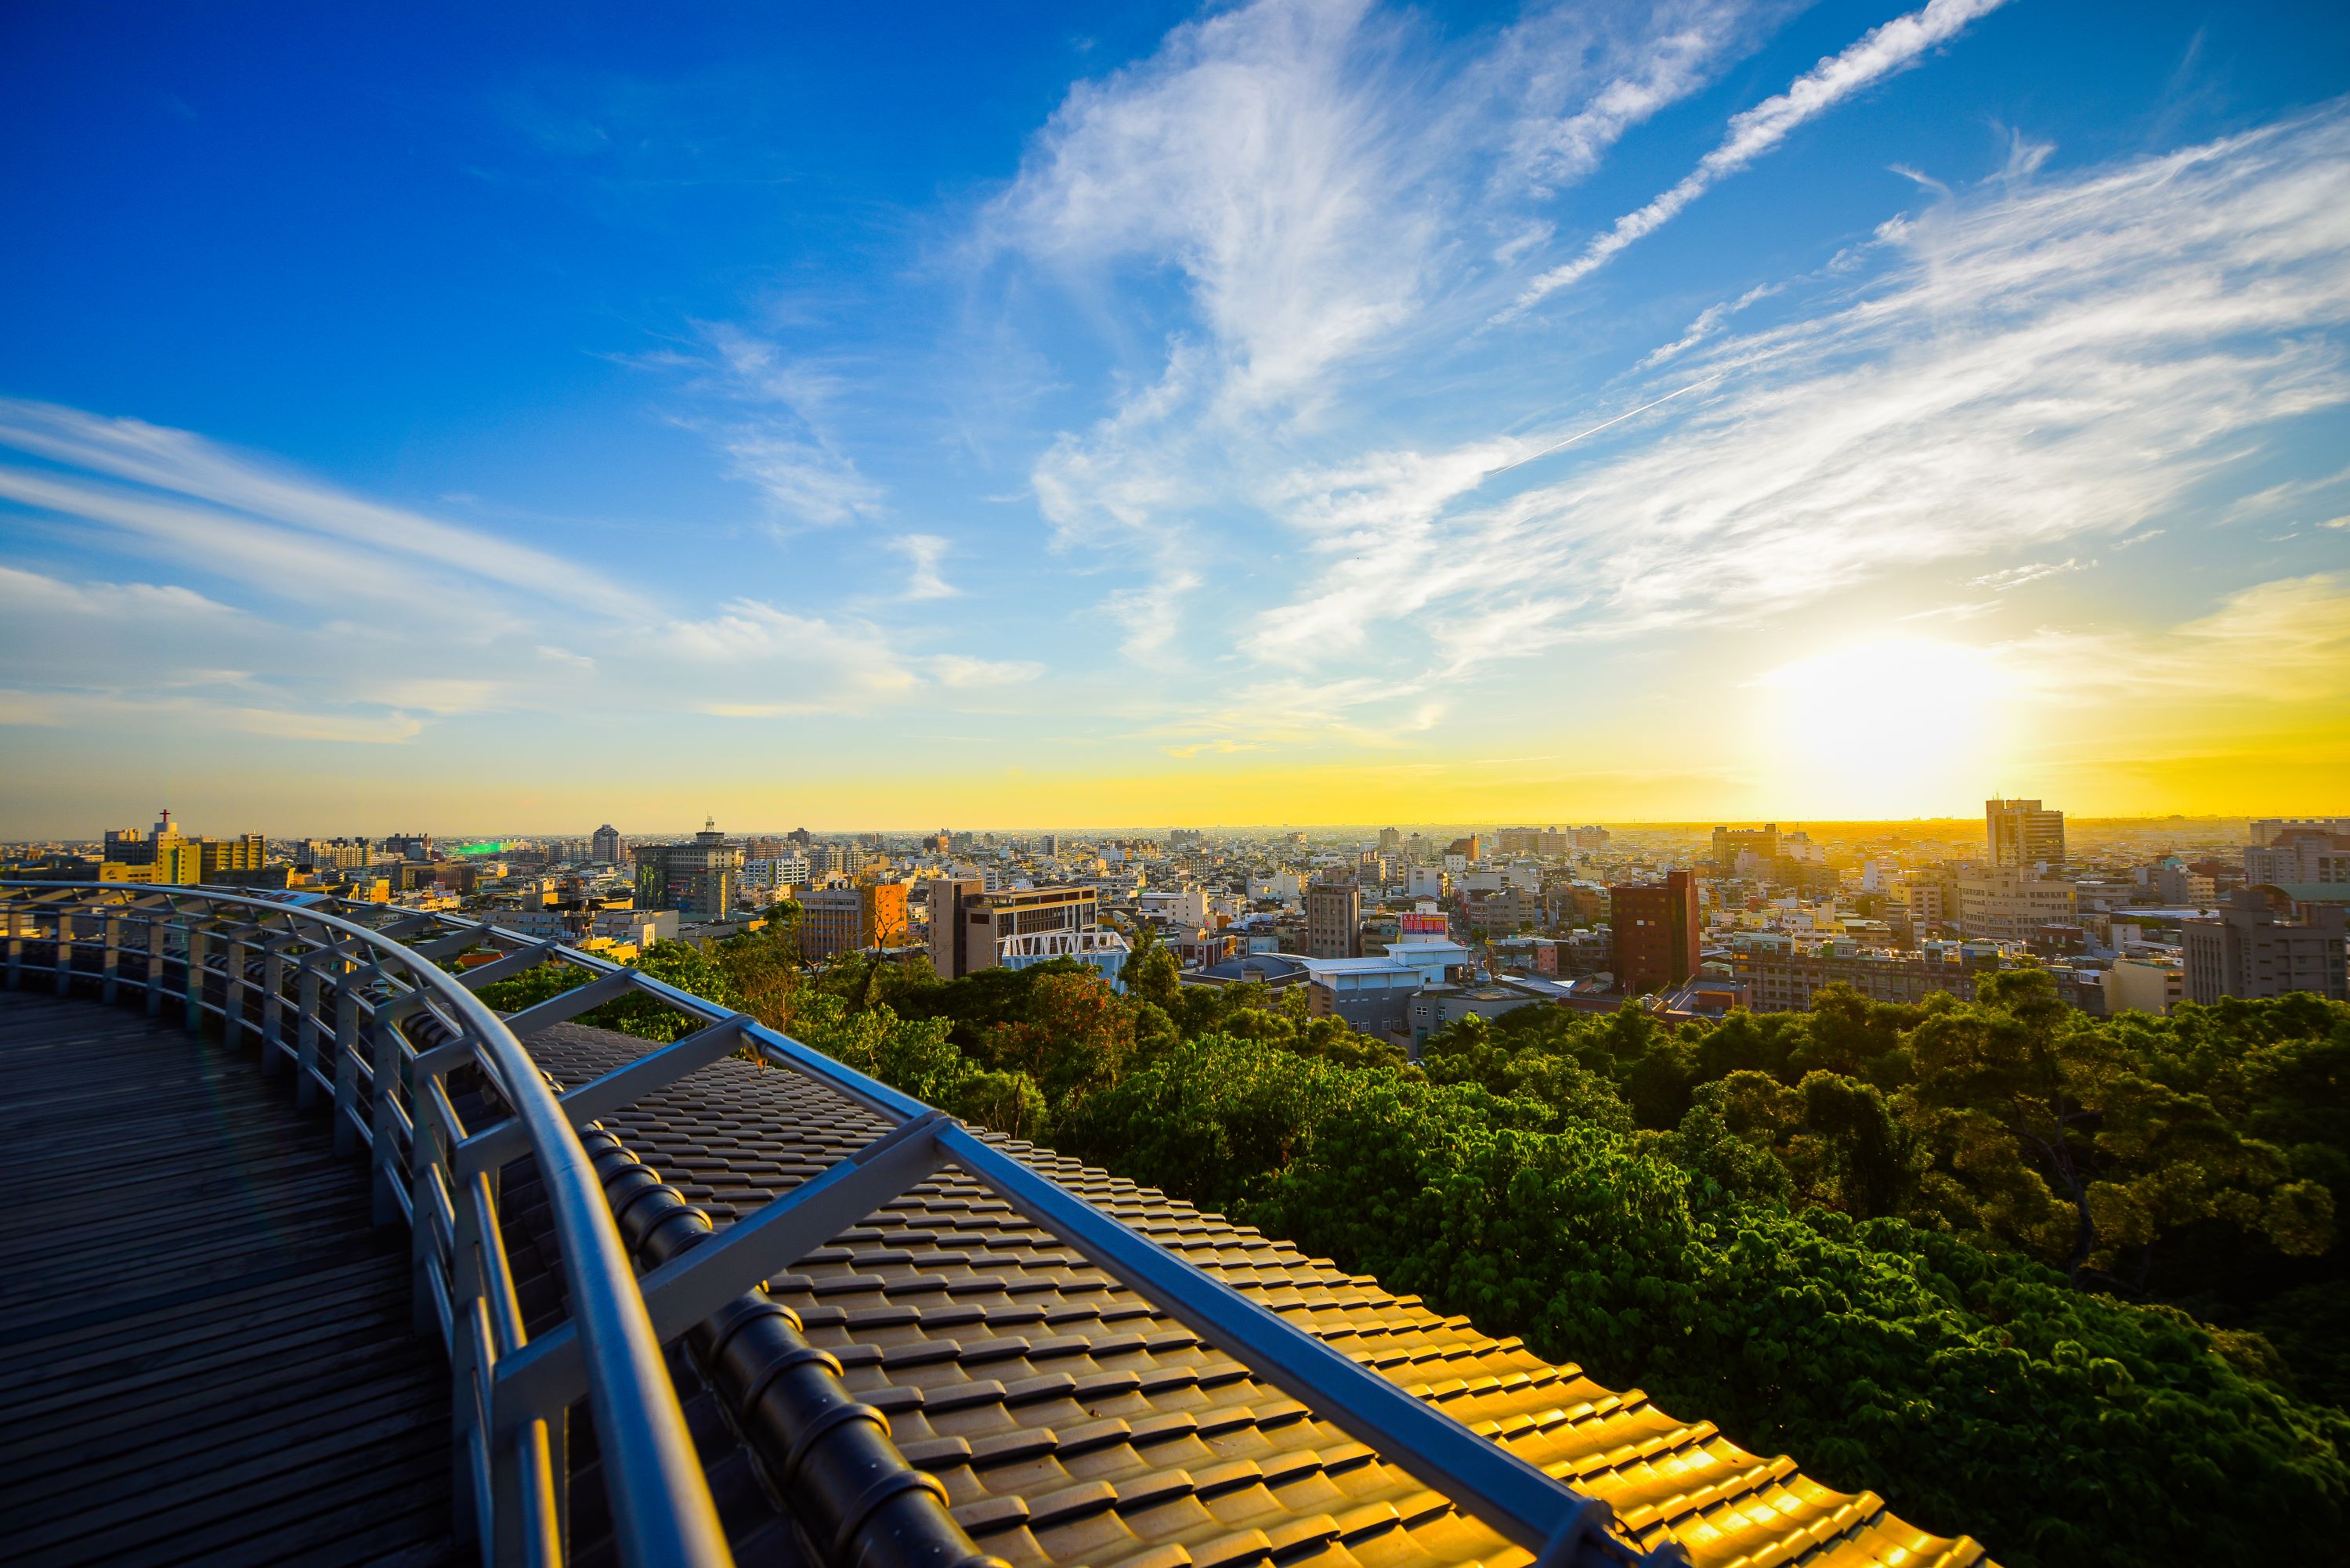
(175, 468)
(2007, 577)
(1893, 46)
(2025, 365)
(1303, 172)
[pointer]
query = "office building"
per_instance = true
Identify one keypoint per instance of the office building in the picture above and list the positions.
(1334, 920)
(2024, 834)
(1653, 933)
(972, 929)
(2010, 905)
(1729, 843)
(2300, 854)
(2269, 829)
(843, 918)
(245, 852)
(698, 879)
(946, 896)
(1373, 995)
(2251, 948)
(604, 845)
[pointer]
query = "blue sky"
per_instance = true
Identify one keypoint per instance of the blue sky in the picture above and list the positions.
(1281, 411)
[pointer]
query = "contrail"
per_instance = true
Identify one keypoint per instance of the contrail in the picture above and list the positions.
(1620, 419)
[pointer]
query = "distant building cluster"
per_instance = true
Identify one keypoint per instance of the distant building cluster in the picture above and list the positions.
(1399, 933)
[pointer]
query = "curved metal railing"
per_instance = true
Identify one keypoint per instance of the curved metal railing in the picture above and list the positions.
(608, 1350)
(343, 1004)
(1562, 1526)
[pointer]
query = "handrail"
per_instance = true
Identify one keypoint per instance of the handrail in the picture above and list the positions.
(1561, 1525)
(660, 1499)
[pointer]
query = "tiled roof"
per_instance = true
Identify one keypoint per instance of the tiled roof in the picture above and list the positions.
(1072, 1421)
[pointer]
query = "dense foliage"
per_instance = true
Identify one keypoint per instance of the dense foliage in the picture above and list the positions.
(2071, 1285)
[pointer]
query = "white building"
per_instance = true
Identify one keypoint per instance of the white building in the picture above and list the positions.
(1099, 949)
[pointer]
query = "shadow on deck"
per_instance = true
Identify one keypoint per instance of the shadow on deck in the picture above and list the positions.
(206, 1351)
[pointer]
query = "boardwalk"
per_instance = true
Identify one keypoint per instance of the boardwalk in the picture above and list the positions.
(205, 1349)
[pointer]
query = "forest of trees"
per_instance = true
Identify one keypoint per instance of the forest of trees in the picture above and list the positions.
(2072, 1285)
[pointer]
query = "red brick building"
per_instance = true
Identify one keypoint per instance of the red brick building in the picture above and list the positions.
(1652, 933)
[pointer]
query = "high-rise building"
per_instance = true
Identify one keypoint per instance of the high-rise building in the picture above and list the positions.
(844, 918)
(1652, 933)
(1334, 920)
(2251, 948)
(2024, 834)
(698, 879)
(1390, 839)
(605, 846)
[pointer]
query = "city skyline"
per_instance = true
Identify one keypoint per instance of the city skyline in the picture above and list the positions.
(1306, 412)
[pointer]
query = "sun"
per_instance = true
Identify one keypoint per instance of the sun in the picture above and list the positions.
(1894, 727)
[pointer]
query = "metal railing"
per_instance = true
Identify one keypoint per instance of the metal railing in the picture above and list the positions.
(346, 1006)
(1541, 1511)
(523, 1385)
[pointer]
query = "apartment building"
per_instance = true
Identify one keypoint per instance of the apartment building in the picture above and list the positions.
(1334, 920)
(844, 918)
(2008, 904)
(2251, 948)
(1780, 977)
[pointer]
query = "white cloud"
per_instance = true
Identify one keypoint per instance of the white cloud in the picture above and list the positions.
(1309, 180)
(2035, 363)
(1893, 46)
(923, 552)
(802, 477)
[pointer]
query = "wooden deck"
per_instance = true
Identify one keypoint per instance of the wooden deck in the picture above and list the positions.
(205, 1345)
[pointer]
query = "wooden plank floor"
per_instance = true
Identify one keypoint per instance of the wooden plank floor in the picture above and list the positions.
(206, 1350)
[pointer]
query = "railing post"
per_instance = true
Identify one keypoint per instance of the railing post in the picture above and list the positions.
(272, 1006)
(15, 946)
(305, 1058)
(157, 934)
(425, 1180)
(109, 966)
(383, 1037)
(198, 940)
(347, 1061)
(232, 995)
(65, 953)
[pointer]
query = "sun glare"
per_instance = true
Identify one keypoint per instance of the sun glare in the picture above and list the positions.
(1885, 728)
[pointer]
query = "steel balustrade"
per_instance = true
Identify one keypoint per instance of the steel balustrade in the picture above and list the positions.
(335, 1000)
(522, 1386)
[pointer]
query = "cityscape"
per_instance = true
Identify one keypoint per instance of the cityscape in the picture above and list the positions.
(1400, 932)
(1210, 783)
